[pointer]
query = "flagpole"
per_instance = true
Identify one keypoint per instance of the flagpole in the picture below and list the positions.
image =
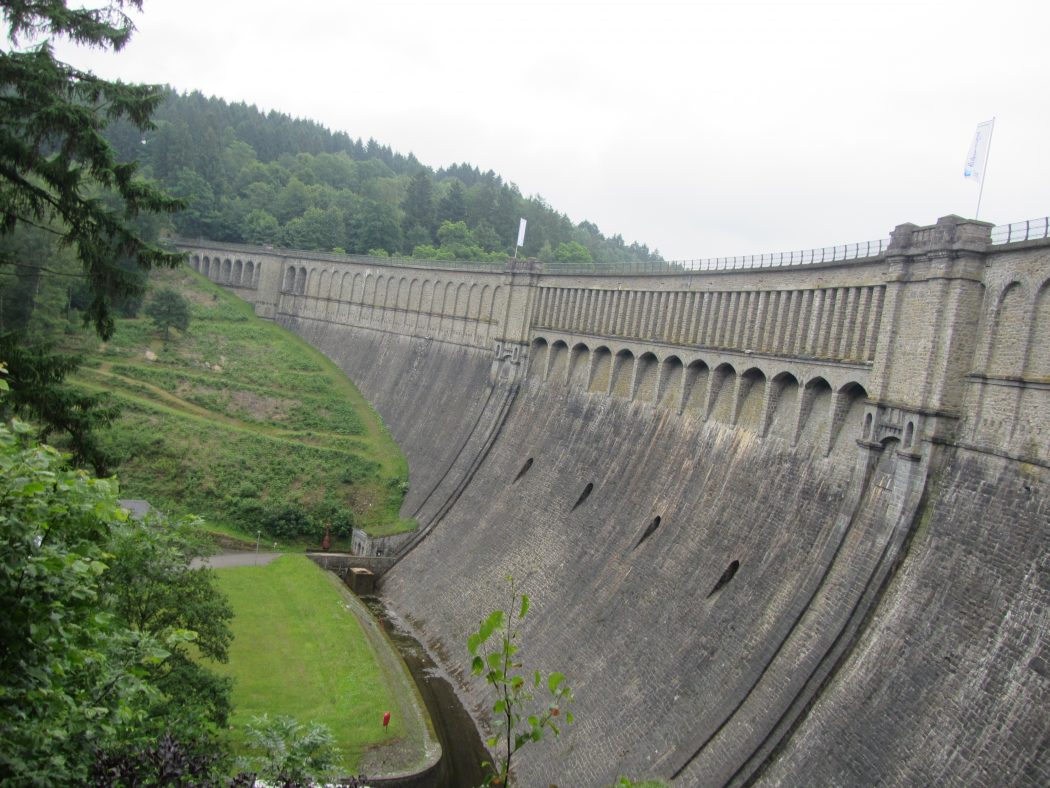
(521, 237)
(987, 155)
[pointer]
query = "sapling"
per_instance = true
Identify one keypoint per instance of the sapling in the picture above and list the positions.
(527, 703)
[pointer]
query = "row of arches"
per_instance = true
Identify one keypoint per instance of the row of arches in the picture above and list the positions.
(238, 273)
(768, 402)
(1018, 337)
(454, 310)
(1009, 397)
(835, 322)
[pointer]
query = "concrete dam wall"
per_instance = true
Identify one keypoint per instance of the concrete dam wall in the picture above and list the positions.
(780, 523)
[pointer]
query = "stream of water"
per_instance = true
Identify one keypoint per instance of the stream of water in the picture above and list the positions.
(463, 750)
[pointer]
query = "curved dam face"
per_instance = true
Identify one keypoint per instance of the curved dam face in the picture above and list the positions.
(786, 525)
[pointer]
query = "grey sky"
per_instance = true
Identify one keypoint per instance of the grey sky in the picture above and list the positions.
(702, 129)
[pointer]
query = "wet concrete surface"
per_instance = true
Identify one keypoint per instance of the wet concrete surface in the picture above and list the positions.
(461, 744)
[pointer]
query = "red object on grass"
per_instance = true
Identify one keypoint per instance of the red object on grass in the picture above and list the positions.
(386, 719)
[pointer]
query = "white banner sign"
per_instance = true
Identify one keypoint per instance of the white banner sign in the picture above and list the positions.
(977, 159)
(521, 233)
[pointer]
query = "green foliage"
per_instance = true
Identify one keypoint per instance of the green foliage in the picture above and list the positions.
(458, 242)
(81, 679)
(244, 424)
(268, 178)
(169, 309)
(453, 205)
(153, 587)
(375, 226)
(285, 520)
(165, 762)
(71, 676)
(65, 191)
(54, 157)
(572, 252)
(519, 711)
(260, 227)
(40, 283)
(418, 205)
(298, 651)
(38, 390)
(291, 754)
(235, 399)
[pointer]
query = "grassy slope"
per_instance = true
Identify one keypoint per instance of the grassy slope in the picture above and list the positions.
(298, 651)
(240, 410)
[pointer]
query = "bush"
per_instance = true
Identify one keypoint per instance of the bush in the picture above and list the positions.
(286, 521)
(339, 519)
(290, 753)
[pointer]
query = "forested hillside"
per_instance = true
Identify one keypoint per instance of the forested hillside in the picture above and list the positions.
(251, 177)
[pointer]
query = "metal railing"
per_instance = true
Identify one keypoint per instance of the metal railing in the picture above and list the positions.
(825, 254)
(1031, 230)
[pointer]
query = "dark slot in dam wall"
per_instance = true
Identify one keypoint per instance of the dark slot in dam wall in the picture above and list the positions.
(786, 525)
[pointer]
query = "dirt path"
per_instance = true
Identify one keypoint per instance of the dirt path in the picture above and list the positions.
(135, 389)
(223, 560)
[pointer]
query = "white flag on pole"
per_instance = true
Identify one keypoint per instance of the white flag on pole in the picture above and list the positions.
(521, 233)
(977, 158)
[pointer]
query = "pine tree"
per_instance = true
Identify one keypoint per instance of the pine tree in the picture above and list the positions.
(55, 163)
(58, 173)
(169, 310)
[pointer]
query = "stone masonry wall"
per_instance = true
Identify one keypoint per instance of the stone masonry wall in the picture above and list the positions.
(782, 524)
(640, 689)
(951, 680)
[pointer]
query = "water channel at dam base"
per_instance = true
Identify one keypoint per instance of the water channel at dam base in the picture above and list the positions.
(462, 749)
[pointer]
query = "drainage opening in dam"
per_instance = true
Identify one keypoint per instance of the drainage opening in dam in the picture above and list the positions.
(723, 581)
(648, 531)
(584, 495)
(524, 469)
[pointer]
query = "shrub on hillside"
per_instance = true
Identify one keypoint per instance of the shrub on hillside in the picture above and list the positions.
(289, 520)
(339, 520)
(286, 520)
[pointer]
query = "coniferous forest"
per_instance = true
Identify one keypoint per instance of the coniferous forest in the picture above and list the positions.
(256, 178)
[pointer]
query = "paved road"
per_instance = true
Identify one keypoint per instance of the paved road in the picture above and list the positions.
(222, 560)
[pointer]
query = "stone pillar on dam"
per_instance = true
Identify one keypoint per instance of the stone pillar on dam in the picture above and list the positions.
(928, 331)
(512, 343)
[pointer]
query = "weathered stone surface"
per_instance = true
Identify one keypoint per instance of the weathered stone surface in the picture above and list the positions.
(949, 683)
(786, 524)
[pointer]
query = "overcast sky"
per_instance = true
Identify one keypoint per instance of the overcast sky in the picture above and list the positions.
(699, 128)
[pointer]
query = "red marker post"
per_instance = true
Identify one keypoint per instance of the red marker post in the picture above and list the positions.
(386, 720)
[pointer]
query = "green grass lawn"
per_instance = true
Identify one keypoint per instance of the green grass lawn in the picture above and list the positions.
(297, 650)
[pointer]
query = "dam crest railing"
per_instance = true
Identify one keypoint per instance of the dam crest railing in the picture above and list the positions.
(1015, 232)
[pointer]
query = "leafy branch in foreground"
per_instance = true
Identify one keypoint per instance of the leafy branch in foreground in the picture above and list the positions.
(519, 712)
(38, 390)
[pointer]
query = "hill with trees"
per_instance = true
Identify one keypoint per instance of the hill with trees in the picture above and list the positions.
(266, 178)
